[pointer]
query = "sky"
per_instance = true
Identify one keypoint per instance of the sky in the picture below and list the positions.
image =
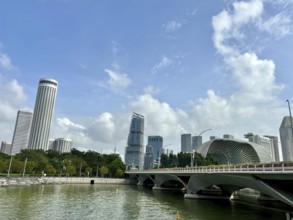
(186, 66)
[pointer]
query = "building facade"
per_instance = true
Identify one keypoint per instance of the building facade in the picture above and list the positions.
(274, 142)
(233, 151)
(186, 143)
(157, 146)
(134, 151)
(196, 142)
(43, 113)
(21, 131)
(148, 157)
(263, 141)
(6, 147)
(286, 138)
(62, 145)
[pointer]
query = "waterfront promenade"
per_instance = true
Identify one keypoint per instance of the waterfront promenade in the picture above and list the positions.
(19, 181)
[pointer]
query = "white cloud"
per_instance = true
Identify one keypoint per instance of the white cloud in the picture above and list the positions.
(227, 25)
(12, 97)
(254, 105)
(117, 81)
(5, 61)
(160, 118)
(151, 90)
(172, 26)
(67, 124)
(164, 63)
(103, 128)
(278, 25)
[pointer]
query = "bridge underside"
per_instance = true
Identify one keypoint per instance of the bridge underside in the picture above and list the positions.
(221, 185)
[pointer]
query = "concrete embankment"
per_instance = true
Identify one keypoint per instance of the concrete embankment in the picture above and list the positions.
(17, 181)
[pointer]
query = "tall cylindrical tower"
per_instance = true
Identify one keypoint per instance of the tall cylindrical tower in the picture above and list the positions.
(43, 112)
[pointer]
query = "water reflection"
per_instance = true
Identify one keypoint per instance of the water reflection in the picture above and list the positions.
(118, 202)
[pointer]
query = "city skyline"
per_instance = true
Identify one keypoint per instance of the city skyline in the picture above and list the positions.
(223, 65)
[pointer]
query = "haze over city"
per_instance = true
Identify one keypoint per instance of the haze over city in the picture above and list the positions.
(185, 66)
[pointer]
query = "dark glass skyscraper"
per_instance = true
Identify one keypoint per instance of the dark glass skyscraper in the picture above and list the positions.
(43, 113)
(134, 150)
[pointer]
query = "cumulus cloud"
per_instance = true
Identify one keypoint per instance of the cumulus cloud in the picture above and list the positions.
(172, 26)
(103, 128)
(164, 63)
(151, 90)
(66, 128)
(12, 97)
(5, 61)
(117, 81)
(253, 105)
(161, 118)
(67, 124)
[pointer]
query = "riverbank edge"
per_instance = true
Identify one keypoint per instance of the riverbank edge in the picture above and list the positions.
(20, 181)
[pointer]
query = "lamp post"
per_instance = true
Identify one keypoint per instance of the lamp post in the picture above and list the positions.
(24, 167)
(191, 150)
(9, 166)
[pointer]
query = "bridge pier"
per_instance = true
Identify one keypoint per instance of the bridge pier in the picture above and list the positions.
(199, 182)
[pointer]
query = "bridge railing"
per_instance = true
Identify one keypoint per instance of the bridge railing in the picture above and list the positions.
(222, 169)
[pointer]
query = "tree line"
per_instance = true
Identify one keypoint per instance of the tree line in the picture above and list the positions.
(184, 160)
(53, 163)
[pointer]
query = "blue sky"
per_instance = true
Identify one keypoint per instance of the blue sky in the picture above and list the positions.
(185, 65)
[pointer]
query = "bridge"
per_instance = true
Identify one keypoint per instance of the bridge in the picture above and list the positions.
(273, 182)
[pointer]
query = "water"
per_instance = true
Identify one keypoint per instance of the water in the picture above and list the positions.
(118, 202)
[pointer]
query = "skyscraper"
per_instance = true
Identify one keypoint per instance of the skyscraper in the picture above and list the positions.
(263, 141)
(43, 113)
(196, 142)
(157, 145)
(5, 147)
(62, 145)
(186, 143)
(148, 157)
(286, 139)
(21, 131)
(275, 145)
(134, 149)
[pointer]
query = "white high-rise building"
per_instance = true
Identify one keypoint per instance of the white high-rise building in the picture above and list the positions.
(43, 113)
(5, 147)
(274, 141)
(186, 143)
(286, 139)
(266, 142)
(134, 150)
(21, 131)
(62, 145)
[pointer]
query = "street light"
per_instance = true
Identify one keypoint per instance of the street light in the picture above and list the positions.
(191, 151)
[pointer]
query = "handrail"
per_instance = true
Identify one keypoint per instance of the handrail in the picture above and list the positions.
(220, 169)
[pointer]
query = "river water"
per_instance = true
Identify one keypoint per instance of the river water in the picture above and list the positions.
(119, 202)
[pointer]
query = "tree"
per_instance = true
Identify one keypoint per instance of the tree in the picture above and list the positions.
(104, 170)
(184, 159)
(50, 169)
(88, 171)
(164, 162)
(71, 170)
(119, 173)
